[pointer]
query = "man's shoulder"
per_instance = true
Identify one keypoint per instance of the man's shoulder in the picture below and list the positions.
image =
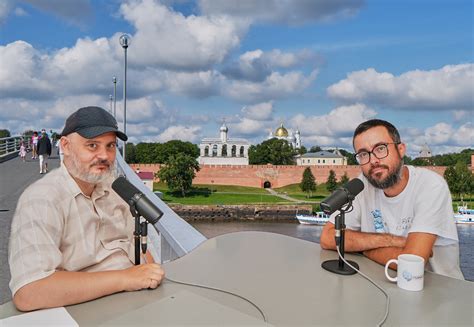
(426, 175)
(49, 185)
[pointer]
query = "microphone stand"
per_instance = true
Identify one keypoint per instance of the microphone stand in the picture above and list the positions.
(141, 231)
(339, 266)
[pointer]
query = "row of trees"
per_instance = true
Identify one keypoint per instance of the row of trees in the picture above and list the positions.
(159, 152)
(460, 179)
(308, 182)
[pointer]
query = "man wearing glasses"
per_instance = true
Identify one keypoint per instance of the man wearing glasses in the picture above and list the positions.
(402, 209)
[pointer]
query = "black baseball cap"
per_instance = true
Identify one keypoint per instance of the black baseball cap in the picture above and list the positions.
(90, 122)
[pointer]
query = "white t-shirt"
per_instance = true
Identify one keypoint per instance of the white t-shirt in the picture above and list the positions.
(423, 206)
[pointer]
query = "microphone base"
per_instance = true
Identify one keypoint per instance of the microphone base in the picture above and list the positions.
(333, 266)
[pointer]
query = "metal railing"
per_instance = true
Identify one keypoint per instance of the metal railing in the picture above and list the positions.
(9, 145)
(172, 237)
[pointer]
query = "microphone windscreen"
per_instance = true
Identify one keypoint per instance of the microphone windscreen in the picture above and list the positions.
(124, 188)
(354, 186)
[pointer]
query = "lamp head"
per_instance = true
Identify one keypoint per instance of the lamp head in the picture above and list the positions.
(125, 40)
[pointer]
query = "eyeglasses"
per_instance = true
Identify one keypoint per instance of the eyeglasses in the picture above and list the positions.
(380, 151)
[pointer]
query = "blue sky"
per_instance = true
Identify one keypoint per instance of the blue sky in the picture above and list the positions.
(318, 66)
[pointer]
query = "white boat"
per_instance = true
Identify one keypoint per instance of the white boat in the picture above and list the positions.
(320, 218)
(464, 215)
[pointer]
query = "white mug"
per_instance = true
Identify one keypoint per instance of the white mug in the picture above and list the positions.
(410, 272)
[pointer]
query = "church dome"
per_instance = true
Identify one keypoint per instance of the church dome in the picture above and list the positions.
(281, 131)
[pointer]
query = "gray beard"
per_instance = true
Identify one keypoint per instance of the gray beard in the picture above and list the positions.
(391, 179)
(80, 173)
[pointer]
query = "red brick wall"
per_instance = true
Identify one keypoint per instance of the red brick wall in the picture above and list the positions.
(257, 175)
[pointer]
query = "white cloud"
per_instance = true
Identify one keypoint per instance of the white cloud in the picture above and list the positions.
(275, 86)
(260, 111)
(257, 65)
(339, 122)
(171, 40)
(20, 12)
(289, 12)
(443, 89)
(179, 132)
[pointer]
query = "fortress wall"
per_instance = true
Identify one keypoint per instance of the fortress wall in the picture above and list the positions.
(257, 175)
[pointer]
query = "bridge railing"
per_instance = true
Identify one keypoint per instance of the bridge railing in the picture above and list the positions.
(171, 237)
(9, 146)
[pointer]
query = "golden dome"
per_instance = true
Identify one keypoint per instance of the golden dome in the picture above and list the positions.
(281, 131)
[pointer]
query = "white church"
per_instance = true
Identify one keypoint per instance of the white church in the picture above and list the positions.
(282, 133)
(224, 150)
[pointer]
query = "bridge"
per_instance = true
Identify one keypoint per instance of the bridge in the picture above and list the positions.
(170, 238)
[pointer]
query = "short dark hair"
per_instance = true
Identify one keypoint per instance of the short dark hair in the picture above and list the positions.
(392, 130)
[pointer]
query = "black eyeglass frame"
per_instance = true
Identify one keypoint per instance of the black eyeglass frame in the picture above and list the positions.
(372, 152)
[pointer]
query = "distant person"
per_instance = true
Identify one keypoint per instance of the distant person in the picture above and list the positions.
(402, 209)
(44, 151)
(76, 244)
(34, 145)
(22, 151)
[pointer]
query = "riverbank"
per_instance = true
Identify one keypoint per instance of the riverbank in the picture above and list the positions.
(221, 213)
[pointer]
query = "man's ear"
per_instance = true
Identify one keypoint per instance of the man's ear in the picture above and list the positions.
(65, 145)
(402, 149)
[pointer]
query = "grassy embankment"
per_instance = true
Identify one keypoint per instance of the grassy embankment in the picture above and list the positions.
(229, 194)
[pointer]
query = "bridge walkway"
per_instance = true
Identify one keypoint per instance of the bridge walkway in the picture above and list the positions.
(15, 176)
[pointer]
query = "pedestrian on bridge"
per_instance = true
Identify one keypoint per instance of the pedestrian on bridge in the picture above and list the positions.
(44, 151)
(71, 239)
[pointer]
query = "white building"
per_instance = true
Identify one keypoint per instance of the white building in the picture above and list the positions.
(425, 152)
(321, 158)
(282, 133)
(224, 150)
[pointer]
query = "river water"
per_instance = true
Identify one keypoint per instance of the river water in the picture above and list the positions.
(312, 233)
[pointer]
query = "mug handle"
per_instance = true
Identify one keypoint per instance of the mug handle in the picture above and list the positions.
(392, 279)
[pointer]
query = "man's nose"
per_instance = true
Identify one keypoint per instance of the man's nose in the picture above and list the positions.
(374, 159)
(102, 153)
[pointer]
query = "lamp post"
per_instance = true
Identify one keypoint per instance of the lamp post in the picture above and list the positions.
(110, 107)
(115, 96)
(124, 42)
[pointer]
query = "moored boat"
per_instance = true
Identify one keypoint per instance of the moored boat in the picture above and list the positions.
(464, 215)
(320, 218)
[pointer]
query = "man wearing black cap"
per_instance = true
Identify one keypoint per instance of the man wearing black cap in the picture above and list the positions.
(75, 244)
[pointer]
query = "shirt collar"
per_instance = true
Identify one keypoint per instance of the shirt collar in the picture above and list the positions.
(100, 189)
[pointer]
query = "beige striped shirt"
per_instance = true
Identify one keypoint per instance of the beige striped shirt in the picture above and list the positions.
(56, 227)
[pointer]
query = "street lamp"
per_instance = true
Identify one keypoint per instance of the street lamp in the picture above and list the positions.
(110, 107)
(124, 42)
(115, 95)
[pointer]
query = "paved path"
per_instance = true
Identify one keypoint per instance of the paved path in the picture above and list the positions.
(289, 198)
(15, 176)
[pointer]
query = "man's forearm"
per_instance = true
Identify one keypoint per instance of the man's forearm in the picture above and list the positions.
(382, 255)
(66, 288)
(355, 241)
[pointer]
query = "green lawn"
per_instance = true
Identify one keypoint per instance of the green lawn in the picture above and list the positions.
(219, 194)
(294, 191)
(229, 194)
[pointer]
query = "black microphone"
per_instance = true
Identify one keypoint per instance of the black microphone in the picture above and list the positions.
(137, 200)
(342, 196)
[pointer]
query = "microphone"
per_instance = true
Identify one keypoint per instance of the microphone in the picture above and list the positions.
(136, 199)
(341, 196)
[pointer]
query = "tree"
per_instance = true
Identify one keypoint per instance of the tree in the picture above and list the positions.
(301, 150)
(460, 179)
(351, 160)
(344, 179)
(331, 183)
(308, 183)
(273, 151)
(173, 147)
(178, 172)
(130, 153)
(4, 133)
(315, 148)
